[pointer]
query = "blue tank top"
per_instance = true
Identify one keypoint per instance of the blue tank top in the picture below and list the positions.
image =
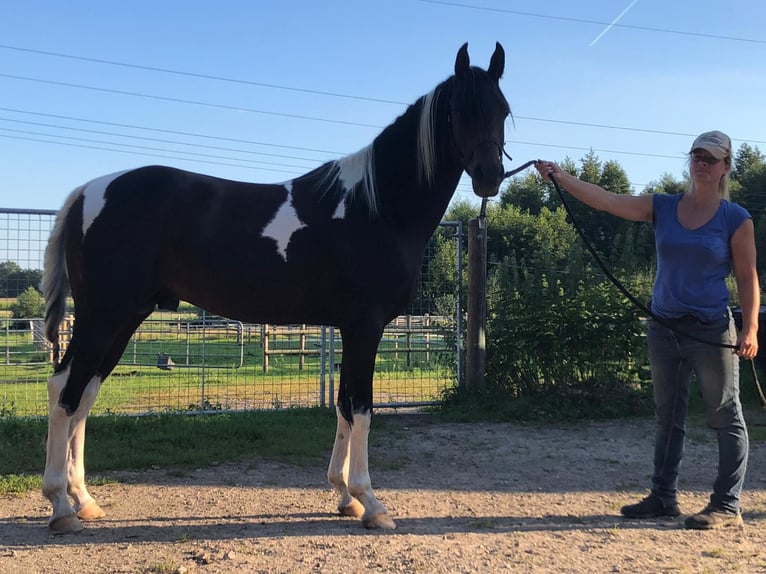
(692, 265)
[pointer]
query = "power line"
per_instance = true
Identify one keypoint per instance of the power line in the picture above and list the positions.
(626, 128)
(148, 148)
(185, 101)
(335, 121)
(197, 75)
(310, 91)
(100, 148)
(160, 140)
(174, 142)
(599, 22)
(166, 131)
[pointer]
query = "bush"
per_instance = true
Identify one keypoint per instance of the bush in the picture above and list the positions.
(29, 304)
(579, 342)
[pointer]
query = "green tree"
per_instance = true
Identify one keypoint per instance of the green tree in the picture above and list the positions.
(14, 280)
(668, 184)
(529, 193)
(749, 180)
(747, 160)
(29, 304)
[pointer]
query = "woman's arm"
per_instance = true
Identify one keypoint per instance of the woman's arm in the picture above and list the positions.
(748, 288)
(631, 207)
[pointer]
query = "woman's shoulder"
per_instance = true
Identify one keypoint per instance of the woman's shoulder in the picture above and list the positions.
(735, 208)
(662, 201)
(666, 197)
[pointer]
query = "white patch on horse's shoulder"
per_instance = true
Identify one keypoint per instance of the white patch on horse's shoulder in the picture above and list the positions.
(353, 168)
(340, 211)
(94, 200)
(285, 223)
(356, 175)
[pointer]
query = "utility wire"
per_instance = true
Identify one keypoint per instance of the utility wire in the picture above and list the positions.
(114, 134)
(198, 75)
(166, 131)
(101, 148)
(185, 101)
(599, 22)
(159, 140)
(148, 148)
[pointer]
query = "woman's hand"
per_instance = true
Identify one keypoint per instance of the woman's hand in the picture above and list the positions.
(547, 168)
(747, 345)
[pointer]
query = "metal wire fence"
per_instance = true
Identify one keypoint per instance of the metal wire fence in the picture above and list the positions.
(189, 361)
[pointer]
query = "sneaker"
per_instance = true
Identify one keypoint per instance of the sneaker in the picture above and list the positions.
(713, 518)
(650, 507)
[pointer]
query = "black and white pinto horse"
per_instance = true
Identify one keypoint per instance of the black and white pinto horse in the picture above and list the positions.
(341, 245)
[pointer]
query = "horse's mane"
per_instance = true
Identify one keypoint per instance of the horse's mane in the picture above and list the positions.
(426, 150)
(356, 172)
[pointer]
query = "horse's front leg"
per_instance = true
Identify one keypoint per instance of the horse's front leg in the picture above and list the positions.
(349, 467)
(337, 473)
(359, 483)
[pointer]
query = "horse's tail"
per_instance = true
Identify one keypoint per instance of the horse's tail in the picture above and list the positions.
(55, 282)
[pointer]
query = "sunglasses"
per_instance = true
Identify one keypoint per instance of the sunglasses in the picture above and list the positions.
(707, 159)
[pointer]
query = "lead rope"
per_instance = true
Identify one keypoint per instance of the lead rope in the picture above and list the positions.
(662, 321)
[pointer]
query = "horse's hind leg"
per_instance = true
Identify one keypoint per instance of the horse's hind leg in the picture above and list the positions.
(55, 479)
(65, 458)
(84, 504)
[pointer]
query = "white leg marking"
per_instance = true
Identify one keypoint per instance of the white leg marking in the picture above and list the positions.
(337, 472)
(359, 484)
(76, 460)
(93, 193)
(55, 476)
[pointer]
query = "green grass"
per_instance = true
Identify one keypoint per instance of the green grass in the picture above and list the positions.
(120, 442)
(170, 441)
(233, 375)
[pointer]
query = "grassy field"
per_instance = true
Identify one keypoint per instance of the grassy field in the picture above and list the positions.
(119, 443)
(221, 367)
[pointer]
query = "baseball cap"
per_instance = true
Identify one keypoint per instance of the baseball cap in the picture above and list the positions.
(717, 143)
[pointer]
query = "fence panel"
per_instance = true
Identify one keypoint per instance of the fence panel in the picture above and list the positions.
(189, 361)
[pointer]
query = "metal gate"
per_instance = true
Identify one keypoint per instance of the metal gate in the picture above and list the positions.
(189, 361)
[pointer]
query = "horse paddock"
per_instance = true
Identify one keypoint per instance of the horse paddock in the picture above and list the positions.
(485, 497)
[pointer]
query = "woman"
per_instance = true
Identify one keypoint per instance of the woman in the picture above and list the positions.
(700, 236)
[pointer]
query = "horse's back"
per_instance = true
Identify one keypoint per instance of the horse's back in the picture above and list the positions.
(158, 235)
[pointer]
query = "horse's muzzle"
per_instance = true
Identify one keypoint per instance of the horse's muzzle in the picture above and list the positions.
(486, 170)
(486, 189)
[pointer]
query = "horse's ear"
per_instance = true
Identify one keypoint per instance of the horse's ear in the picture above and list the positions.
(462, 62)
(497, 62)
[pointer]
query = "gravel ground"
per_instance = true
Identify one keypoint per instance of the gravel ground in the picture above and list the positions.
(466, 498)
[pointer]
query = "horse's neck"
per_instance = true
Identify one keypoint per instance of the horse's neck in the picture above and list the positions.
(408, 200)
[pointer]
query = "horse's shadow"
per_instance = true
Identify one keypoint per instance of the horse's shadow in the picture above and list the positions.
(21, 534)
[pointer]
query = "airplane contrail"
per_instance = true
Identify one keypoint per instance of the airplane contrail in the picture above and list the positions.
(613, 22)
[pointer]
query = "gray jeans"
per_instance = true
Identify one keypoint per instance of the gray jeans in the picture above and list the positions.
(673, 358)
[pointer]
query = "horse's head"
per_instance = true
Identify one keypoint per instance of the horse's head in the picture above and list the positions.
(478, 112)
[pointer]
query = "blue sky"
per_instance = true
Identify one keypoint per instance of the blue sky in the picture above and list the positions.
(636, 92)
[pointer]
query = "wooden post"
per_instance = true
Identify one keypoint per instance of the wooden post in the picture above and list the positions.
(265, 345)
(476, 347)
(301, 356)
(408, 338)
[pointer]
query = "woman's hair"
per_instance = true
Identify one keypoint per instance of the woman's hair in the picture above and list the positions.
(723, 184)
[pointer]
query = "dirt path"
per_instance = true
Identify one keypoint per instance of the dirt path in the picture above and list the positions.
(466, 498)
